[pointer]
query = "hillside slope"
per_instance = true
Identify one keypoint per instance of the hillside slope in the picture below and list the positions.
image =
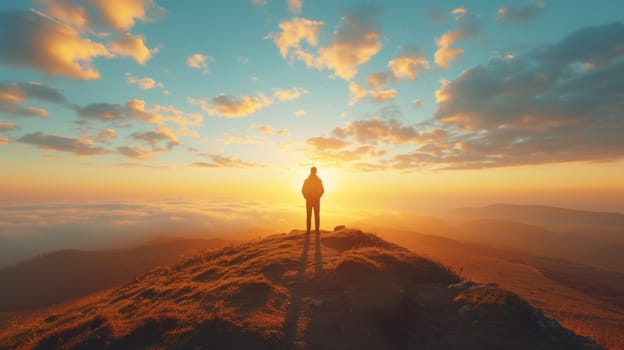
(63, 275)
(342, 290)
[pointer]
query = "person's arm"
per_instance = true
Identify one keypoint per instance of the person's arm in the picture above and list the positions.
(322, 189)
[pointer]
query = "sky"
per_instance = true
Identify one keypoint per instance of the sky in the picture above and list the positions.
(402, 105)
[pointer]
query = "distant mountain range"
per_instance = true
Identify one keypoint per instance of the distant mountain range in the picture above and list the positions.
(58, 276)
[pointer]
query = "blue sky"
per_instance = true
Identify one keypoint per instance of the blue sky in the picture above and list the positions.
(200, 61)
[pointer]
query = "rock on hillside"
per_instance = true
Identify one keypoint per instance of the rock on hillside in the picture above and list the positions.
(340, 290)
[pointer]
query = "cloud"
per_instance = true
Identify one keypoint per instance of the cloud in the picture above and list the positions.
(6, 126)
(468, 27)
(41, 43)
(12, 94)
(521, 13)
(378, 80)
(199, 62)
(268, 129)
(146, 83)
(293, 32)
(354, 42)
(219, 161)
(155, 137)
(384, 95)
(377, 130)
(295, 6)
(292, 94)
(407, 65)
(4, 140)
(135, 152)
(417, 103)
(546, 105)
(299, 113)
(231, 106)
(46, 142)
(358, 93)
(118, 15)
(459, 12)
(132, 46)
(259, 2)
(133, 109)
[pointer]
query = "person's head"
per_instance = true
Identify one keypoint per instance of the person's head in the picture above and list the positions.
(313, 170)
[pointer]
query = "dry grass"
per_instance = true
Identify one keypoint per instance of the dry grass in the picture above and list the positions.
(347, 290)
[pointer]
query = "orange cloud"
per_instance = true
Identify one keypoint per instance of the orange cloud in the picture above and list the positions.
(13, 94)
(358, 93)
(231, 106)
(155, 137)
(146, 83)
(293, 32)
(39, 42)
(199, 62)
(292, 94)
(226, 162)
(299, 113)
(468, 28)
(4, 140)
(384, 95)
(6, 126)
(136, 152)
(354, 42)
(132, 46)
(406, 66)
(268, 129)
(80, 147)
(119, 15)
(295, 6)
(377, 81)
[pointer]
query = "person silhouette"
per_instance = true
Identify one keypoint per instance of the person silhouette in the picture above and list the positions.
(312, 191)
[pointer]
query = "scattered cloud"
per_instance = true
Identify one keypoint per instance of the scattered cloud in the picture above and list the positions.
(155, 137)
(46, 142)
(268, 129)
(417, 103)
(118, 15)
(295, 6)
(132, 46)
(230, 106)
(459, 12)
(4, 140)
(358, 93)
(299, 113)
(377, 81)
(537, 108)
(521, 13)
(13, 94)
(293, 32)
(135, 152)
(407, 65)
(259, 2)
(133, 109)
(199, 62)
(6, 126)
(146, 83)
(469, 27)
(384, 95)
(39, 42)
(291, 94)
(354, 42)
(555, 103)
(219, 161)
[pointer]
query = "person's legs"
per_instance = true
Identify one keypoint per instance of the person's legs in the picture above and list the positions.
(308, 215)
(317, 207)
